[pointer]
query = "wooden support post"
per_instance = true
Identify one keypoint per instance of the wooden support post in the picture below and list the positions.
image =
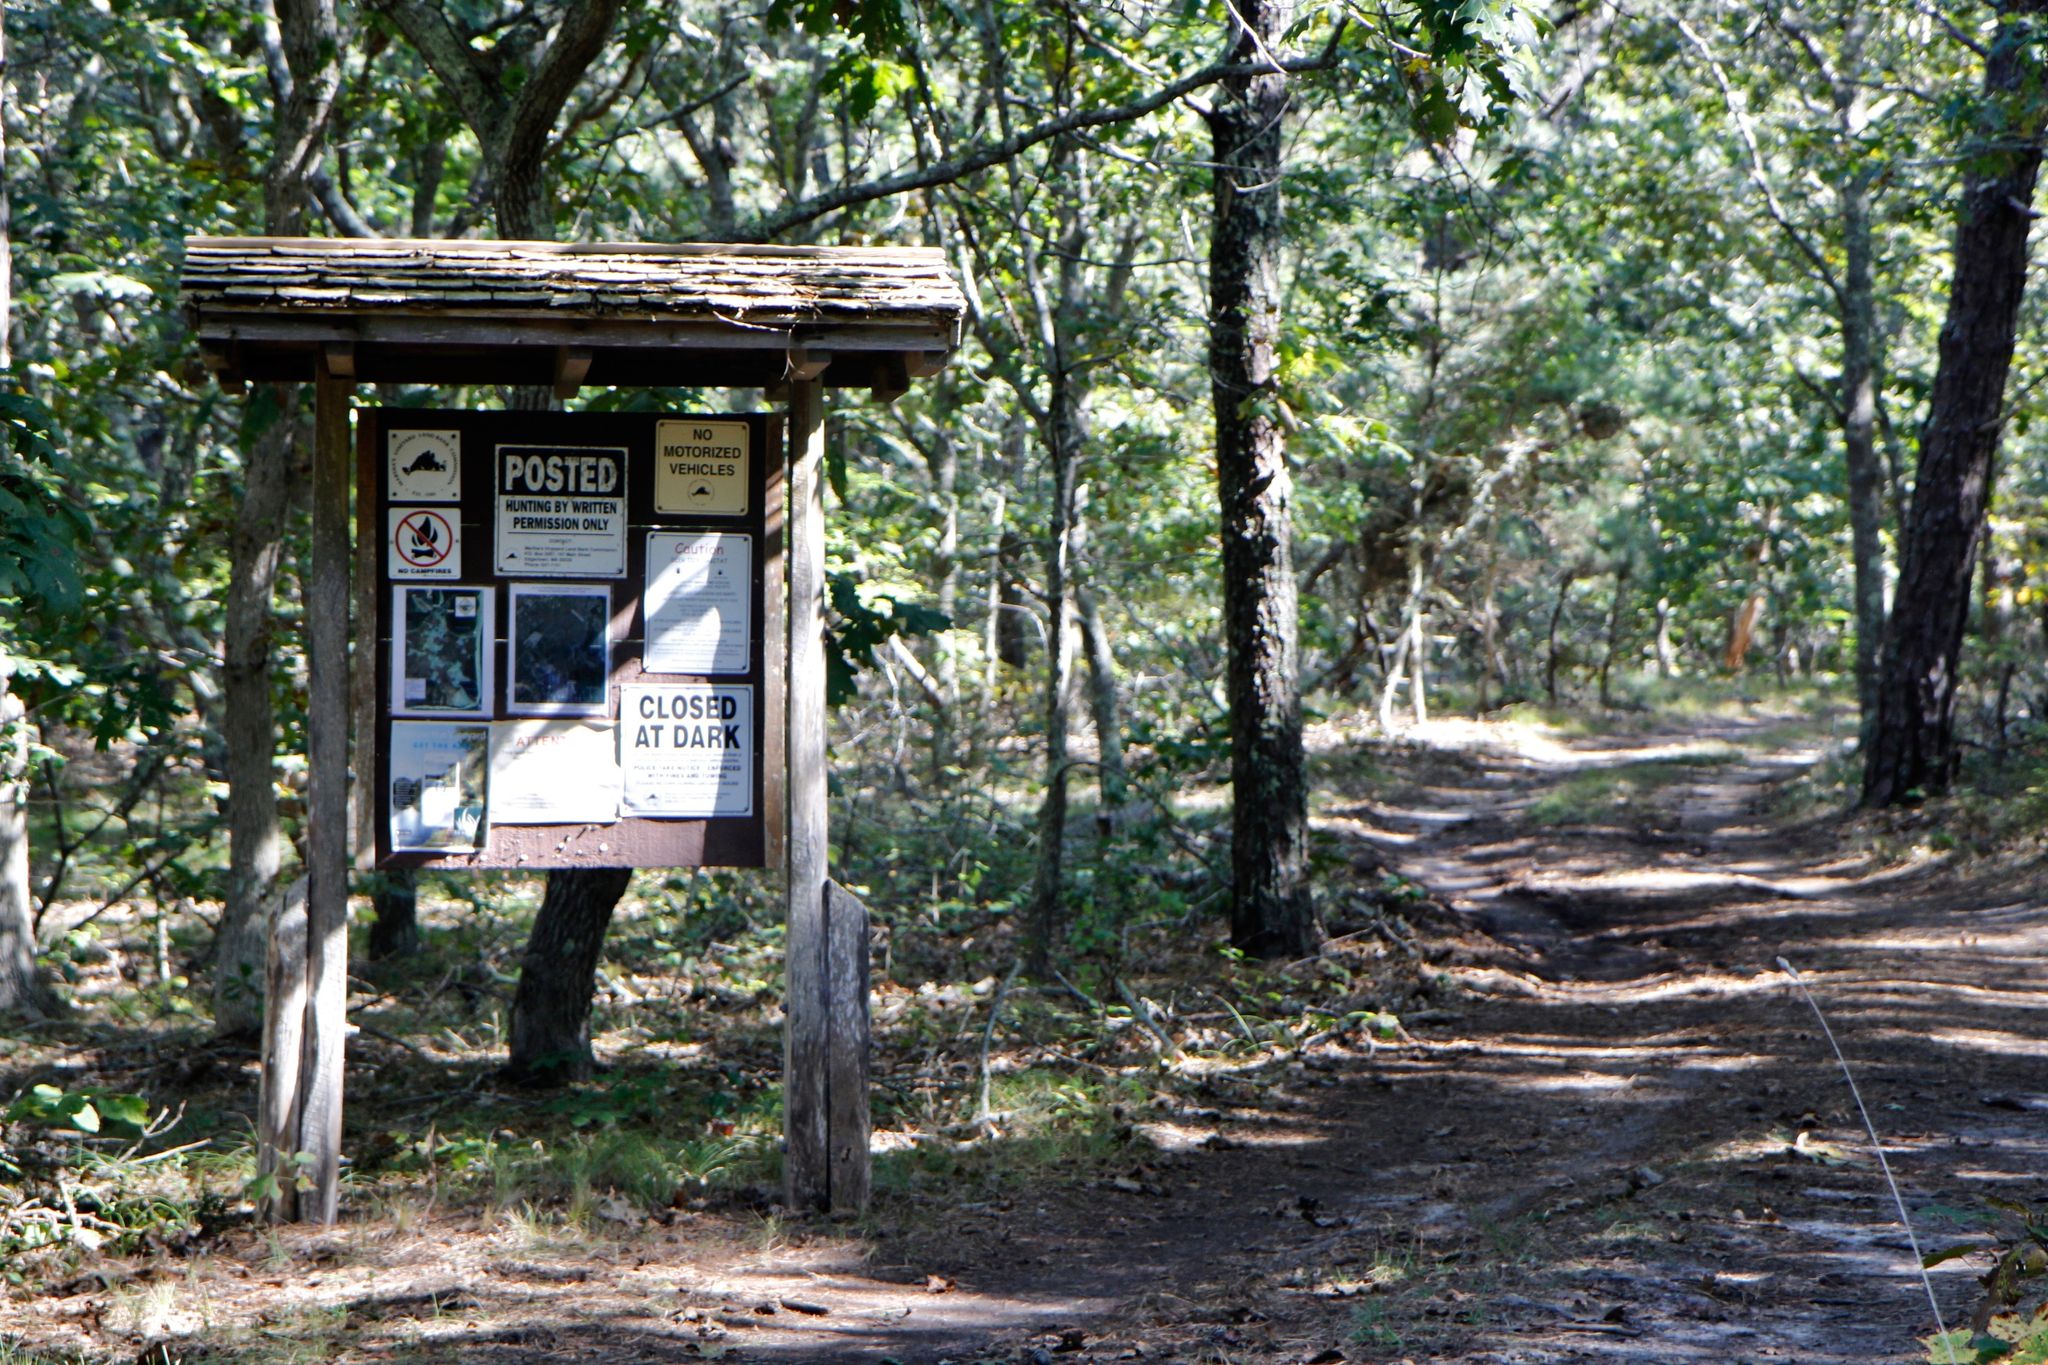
(825, 1033)
(846, 1048)
(284, 1036)
(775, 631)
(327, 596)
(806, 1163)
(306, 967)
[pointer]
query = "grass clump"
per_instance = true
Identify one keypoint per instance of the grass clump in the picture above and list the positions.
(1605, 794)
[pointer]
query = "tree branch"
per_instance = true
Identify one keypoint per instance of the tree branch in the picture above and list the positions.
(335, 205)
(945, 172)
(308, 41)
(457, 65)
(1757, 171)
(579, 38)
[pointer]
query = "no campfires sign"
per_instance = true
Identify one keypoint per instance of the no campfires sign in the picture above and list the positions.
(425, 542)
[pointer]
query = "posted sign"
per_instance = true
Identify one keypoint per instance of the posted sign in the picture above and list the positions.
(569, 624)
(561, 511)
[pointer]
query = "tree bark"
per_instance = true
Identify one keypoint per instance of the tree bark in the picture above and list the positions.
(21, 988)
(1911, 752)
(1859, 373)
(1066, 418)
(306, 70)
(1272, 911)
(557, 976)
(1103, 708)
(395, 931)
(255, 841)
(1564, 592)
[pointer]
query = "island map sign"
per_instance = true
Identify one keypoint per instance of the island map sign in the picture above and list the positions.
(568, 613)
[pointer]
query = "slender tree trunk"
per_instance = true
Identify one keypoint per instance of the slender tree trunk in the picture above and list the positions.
(946, 592)
(1742, 631)
(1667, 656)
(1912, 746)
(992, 623)
(1065, 435)
(558, 975)
(395, 929)
(255, 839)
(1614, 617)
(6, 221)
(1272, 911)
(22, 990)
(307, 67)
(1864, 466)
(1489, 619)
(1103, 708)
(1564, 592)
(1418, 616)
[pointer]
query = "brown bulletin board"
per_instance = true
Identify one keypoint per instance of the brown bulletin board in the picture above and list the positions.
(433, 530)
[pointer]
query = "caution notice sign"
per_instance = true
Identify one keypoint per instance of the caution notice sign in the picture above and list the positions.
(687, 750)
(701, 468)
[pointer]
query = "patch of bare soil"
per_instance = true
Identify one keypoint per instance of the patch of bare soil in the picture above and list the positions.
(1625, 1141)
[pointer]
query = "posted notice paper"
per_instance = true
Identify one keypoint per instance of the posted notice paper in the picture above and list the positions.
(438, 787)
(698, 599)
(687, 750)
(554, 772)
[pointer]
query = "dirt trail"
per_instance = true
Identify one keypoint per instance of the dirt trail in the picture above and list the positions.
(1628, 1145)
(1621, 1140)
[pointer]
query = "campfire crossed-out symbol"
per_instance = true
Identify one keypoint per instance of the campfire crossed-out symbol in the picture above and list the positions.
(423, 539)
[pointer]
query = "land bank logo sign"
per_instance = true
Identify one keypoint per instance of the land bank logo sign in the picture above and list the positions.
(425, 466)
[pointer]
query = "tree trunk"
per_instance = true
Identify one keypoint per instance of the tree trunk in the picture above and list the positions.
(1564, 592)
(255, 840)
(1066, 423)
(557, 976)
(1742, 631)
(1859, 376)
(306, 67)
(21, 988)
(1102, 699)
(395, 931)
(1912, 746)
(1614, 617)
(1272, 911)
(1013, 609)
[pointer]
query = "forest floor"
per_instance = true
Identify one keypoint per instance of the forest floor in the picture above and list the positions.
(1617, 1134)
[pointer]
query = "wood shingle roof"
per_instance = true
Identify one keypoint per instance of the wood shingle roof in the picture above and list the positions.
(438, 311)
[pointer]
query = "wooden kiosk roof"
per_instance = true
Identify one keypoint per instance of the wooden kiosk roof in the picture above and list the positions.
(601, 313)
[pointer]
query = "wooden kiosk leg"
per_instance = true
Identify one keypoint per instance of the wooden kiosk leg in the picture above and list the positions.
(825, 1036)
(299, 1137)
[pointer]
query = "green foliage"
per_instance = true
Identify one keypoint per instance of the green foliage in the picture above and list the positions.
(862, 624)
(2006, 1327)
(39, 529)
(91, 1111)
